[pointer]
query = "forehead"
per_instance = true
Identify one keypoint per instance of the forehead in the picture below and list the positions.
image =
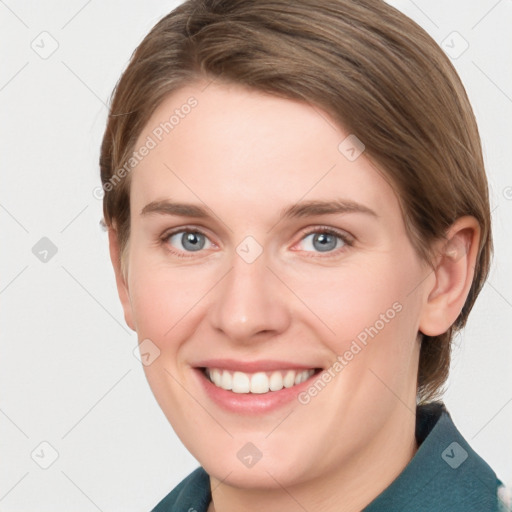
(236, 146)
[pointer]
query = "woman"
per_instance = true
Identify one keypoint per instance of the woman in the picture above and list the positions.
(299, 222)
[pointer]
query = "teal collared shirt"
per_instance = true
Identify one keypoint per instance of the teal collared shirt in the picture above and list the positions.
(445, 474)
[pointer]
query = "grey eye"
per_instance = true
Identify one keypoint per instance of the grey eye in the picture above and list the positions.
(323, 242)
(190, 240)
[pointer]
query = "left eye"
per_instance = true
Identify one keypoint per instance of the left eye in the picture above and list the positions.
(324, 241)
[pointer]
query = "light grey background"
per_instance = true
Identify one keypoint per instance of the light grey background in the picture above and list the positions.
(68, 376)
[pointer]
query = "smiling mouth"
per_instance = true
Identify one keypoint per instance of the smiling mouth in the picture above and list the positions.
(259, 382)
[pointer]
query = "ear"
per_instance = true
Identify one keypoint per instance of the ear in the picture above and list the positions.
(122, 287)
(454, 271)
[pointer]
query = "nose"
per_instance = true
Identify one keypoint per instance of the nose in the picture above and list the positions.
(250, 302)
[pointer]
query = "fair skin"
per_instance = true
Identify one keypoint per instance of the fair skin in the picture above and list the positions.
(245, 157)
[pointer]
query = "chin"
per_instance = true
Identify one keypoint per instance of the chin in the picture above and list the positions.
(281, 469)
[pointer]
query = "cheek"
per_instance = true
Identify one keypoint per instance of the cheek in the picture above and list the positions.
(350, 300)
(165, 299)
(372, 318)
(165, 304)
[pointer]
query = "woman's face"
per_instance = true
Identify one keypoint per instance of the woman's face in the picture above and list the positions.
(287, 257)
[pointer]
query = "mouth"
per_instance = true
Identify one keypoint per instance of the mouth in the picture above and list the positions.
(253, 388)
(261, 382)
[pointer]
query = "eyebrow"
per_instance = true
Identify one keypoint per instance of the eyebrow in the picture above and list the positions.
(298, 210)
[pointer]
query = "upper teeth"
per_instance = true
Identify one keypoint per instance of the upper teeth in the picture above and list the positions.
(260, 382)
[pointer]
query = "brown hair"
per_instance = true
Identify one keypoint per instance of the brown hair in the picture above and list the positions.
(375, 71)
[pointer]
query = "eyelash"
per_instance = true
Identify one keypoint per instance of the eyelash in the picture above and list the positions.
(348, 241)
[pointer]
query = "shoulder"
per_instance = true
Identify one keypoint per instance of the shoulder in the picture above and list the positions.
(444, 474)
(192, 494)
(464, 477)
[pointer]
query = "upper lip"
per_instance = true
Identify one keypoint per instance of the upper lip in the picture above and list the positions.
(252, 366)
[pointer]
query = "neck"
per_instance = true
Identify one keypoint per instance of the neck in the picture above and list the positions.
(348, 489)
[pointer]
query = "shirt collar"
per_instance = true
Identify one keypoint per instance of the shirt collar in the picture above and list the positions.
(444, 474)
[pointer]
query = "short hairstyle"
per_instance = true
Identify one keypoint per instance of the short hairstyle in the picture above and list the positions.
(374, 70)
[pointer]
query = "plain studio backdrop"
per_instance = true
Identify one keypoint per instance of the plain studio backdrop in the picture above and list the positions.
(80, 428)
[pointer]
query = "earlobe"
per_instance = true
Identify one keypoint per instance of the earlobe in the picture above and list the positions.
(454, 273)
(122, 287)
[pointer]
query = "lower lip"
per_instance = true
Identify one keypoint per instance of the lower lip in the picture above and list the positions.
(251, 403)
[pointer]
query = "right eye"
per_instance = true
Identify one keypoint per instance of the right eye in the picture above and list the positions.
(190, 240)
